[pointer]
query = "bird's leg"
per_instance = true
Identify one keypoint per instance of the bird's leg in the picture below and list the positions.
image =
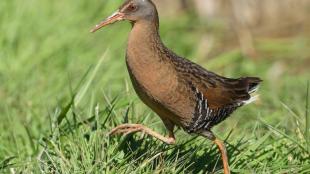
(132, 128)
(223, 151)
(221, 147)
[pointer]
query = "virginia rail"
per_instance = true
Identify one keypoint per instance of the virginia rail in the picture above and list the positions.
(181, 92)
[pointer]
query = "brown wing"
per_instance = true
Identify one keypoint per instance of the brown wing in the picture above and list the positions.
(216, 97)
(220, 91)
(227, 92)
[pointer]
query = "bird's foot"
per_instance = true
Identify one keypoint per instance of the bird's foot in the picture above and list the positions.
(133, 128)
(126, 129)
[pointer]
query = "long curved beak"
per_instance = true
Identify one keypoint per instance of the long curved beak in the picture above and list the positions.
(117, 16)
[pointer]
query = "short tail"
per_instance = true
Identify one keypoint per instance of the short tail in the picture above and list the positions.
(252, 86)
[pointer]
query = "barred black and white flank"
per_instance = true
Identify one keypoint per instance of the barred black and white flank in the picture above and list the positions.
(206, 117)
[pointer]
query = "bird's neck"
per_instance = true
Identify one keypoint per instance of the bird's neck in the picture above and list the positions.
(144, 43)
(148, 63)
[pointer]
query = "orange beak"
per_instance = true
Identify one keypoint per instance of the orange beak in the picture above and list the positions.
(117, 16)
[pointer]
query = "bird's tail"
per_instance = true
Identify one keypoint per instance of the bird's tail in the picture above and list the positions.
(252, 86)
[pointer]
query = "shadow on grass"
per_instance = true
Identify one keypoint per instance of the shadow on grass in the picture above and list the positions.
(195, 155)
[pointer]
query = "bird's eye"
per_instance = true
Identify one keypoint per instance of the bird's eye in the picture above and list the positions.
(132, 7)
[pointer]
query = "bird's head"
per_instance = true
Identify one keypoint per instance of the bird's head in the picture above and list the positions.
(132, 10)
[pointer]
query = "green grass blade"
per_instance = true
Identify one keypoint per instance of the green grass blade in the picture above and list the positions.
(286, 136)
(6, 162)
(307, 130)
(64, 111)
(84, 89)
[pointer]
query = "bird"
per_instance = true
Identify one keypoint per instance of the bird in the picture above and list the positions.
(182, 93)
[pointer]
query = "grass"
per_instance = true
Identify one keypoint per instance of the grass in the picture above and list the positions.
(62, 89)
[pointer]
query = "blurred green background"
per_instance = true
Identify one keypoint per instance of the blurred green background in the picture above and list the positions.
(54, 75)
